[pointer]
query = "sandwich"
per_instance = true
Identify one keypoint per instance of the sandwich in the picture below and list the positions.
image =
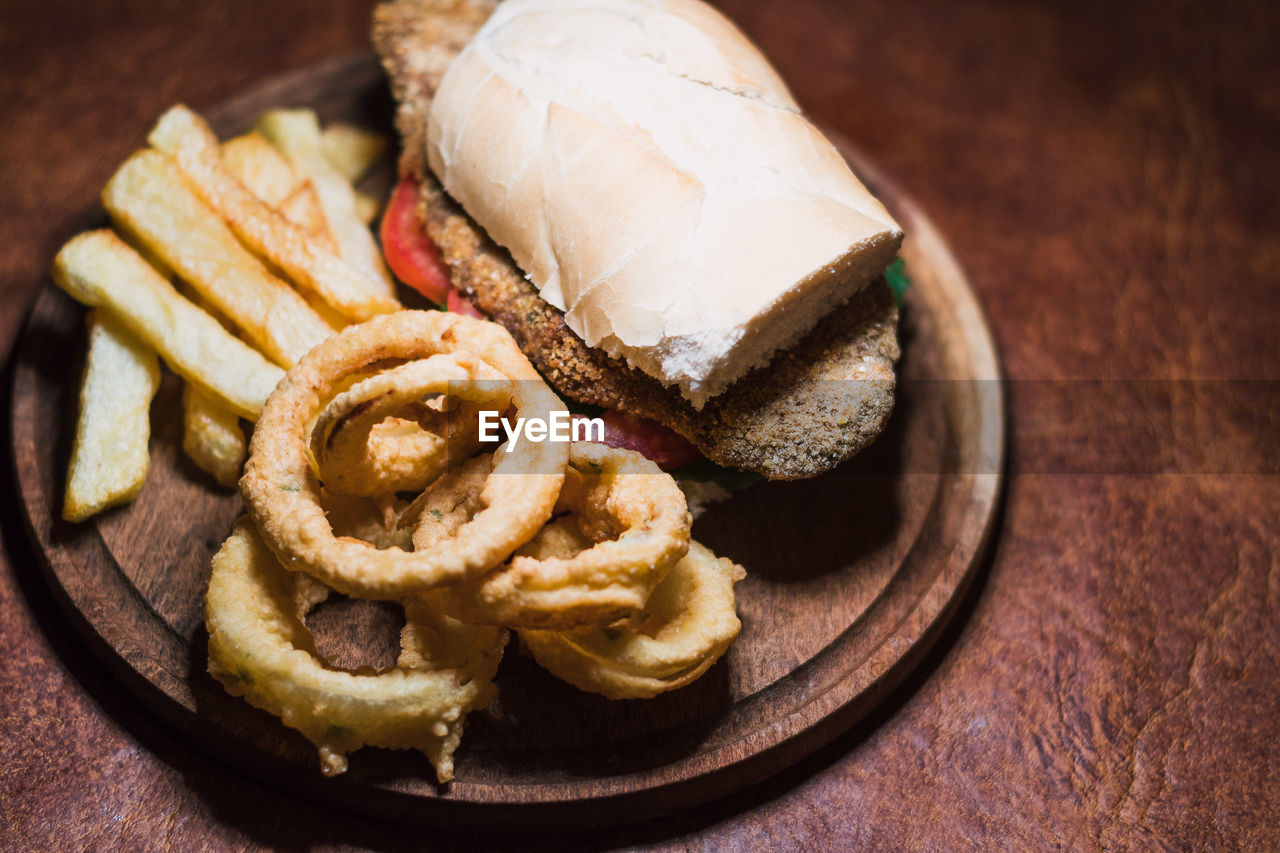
(629, 189)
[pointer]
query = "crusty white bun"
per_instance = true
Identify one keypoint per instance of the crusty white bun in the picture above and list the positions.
(650, 172)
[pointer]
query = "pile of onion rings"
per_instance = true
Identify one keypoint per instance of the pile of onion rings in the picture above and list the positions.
(367, 475)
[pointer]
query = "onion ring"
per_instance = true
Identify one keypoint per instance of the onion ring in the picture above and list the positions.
(687, 624)
(282, 493)
(447, 504)
(361, 449)
(628, 524)
(260, 648)
(375, 520)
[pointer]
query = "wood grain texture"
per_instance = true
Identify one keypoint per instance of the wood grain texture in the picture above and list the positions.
(1105, 173)
(851, 576)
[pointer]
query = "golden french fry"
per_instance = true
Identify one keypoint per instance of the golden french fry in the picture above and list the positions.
(144, 251)
(297, 134)
(352, 150)
(257, 164)
(98, 269)
(190, 294)
(328, 313)
(148, 198)
(211, 435)
(367, 207)
(303, 207)
(187, 138)
(110, 459)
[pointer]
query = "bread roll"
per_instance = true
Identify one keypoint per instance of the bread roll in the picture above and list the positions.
(650, 172)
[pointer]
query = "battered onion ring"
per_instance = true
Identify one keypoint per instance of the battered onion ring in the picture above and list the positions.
(282, 493)
(628, 524)
(448, 503)
(375, 520)
(259, 648)
(687, 624)
(361, 449)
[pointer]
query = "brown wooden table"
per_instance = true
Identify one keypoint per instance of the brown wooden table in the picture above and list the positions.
(1107, 172)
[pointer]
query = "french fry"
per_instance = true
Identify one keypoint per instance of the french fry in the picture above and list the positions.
(367, 207)
(190, 294)
(352, 150)
(110, 458)
(297, 134)
(355, 294)
(303, 207)
(332, 318)
(211, 435)
(98, 269)
(328, 313)
(257, 164)
(148, 198)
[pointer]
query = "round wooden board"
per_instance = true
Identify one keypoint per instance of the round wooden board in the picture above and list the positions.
(850, 575)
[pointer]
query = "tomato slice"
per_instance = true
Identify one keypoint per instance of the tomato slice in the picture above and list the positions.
(410, 253)
(667, 449)
(459, 304)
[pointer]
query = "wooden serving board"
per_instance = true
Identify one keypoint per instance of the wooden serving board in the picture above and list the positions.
(850, 575)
